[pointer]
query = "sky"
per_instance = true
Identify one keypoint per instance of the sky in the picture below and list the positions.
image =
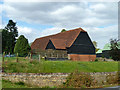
(36, 19)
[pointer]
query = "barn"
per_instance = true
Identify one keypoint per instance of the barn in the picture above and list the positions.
(76, 42)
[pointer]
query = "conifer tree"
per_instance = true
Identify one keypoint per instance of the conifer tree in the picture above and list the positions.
(22, 46)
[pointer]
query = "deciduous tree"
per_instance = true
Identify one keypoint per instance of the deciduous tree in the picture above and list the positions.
(95, 44)
(114, 52)
(63, 30)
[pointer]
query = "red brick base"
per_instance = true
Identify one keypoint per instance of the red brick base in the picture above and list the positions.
(79, 57)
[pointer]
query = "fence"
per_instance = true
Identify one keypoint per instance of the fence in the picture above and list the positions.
(51, 54)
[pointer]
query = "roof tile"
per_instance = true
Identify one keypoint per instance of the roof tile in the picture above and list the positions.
(60, 40)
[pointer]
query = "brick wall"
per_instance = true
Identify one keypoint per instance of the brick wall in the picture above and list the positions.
(78, 57)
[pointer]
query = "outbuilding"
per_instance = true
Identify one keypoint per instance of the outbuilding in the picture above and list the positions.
(76, 42)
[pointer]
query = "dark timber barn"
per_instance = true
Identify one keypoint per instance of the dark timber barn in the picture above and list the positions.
(76, 42)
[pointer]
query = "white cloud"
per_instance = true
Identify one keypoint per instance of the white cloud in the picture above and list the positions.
(0, 16)
(98, 7)
(24, 30)
(63, 14)
(62, 0)
(67, 15)
(0, 8)
(102, 35)
(50, 31)
(0, 22)
(29, 33)
(32, 34)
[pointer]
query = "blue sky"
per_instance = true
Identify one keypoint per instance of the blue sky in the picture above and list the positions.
(37, 19)
(25, 24)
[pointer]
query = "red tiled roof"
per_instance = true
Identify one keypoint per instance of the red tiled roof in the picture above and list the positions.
(60, 40)
(59, 43)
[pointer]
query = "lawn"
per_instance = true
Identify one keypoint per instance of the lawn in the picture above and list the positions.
(24, 66)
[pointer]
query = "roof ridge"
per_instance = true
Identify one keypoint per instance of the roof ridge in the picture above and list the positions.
(74, 29)
(67, 37)
(63, 32)
(57, 38)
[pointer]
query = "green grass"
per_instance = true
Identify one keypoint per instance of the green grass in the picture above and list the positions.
(24, 66)
(8, 84)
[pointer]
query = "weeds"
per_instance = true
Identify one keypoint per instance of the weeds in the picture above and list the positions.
(78, 80)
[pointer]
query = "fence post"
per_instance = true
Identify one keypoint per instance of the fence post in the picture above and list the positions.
(3, 56)
(30, 57)
(51, 54)
(17, 58)
(9, 54)
(39, 57)
(57, 55)
(63, 55)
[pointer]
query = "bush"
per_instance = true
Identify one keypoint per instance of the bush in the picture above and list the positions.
(78, 80)
(102, 56)
(20, 83)
(96, 60)
(113, 79)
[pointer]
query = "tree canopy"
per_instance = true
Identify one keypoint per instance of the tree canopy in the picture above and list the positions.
(114, 52)
(0, 41)
(9, 34)
(22, 46)
(95, 44)
(63, 30)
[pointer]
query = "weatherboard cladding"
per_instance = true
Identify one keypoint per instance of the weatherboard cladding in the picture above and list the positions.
(50, 45)
(82, 45)
(60, 40)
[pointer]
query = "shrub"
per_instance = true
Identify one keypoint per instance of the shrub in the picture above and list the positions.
(110, 57)
(20, 83)
(96, 60)
(118, 77)
(78, 80)
(113, 79)
(102, 56)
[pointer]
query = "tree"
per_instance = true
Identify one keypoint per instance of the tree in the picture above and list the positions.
(114, 52)
(63, 30)
(0, 41)
(9, 34)
(5, 40)
(22, 46)
(95, 44)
